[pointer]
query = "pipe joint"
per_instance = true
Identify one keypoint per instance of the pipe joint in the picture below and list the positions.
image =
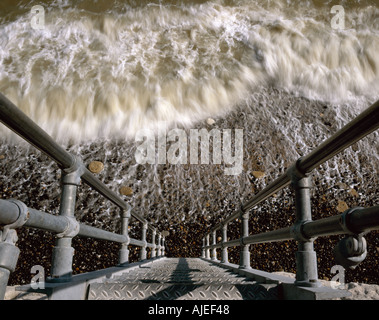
(23, 215)
(298, 234)
(297, 176)
(72, 175)
(72, 228)
(345, 220)
(126, 213)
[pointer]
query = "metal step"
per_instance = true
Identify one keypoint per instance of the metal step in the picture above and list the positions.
(166, 291)
(197, 280)
(181, 279)
(192, 271)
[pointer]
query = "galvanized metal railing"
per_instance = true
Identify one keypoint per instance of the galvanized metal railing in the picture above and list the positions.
(354, 222)
(15, 214)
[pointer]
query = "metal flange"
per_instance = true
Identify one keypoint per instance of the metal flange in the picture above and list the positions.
(351, 251)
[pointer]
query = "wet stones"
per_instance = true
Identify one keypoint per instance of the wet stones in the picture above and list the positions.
(353, 193)
(342, 206)
(96, 166)
(258, 174)
(126, 191)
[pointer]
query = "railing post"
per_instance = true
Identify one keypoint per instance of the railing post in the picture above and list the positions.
(306, 260)
(163, 245)
(153, 250)
(224, 252)
(124, 251)
(9, 253)
(142, 255)
(203, 249)
(159, 245)
(207, 255)
(62, 257)
(244, 253)
(214, 250)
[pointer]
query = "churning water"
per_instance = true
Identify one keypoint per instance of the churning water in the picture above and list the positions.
(108, 68)
(98, 71)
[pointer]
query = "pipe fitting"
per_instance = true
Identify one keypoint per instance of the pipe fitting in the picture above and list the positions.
(126, 213)
(23, 214)
(350, 251)
(127, 240)
(344, 220)
(72, 175)
(8, 234)
(295, 174)
(244, 215)
(72, 228)
(9, 254)
(297, 232)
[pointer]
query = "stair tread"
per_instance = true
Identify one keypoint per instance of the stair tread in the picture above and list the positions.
(180, 291)
(198, 280)
(181, 279)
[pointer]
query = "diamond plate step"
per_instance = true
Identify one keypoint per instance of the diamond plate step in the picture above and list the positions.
(164, 291)
(181, 279)
(192, 280)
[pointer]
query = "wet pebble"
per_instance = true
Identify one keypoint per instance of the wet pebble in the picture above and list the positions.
(342, 206)
(96, 166)
(126, 191)
(258, 174)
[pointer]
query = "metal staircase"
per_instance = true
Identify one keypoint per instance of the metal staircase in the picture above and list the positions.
(156, 277)
(181, 279)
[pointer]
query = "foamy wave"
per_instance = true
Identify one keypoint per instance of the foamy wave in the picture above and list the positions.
(88, 75)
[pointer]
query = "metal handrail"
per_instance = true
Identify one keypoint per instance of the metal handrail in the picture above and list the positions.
(21, 124)
(352, 222)
(15, 214)
(10, 213)
(361, 126)
(361, 220)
